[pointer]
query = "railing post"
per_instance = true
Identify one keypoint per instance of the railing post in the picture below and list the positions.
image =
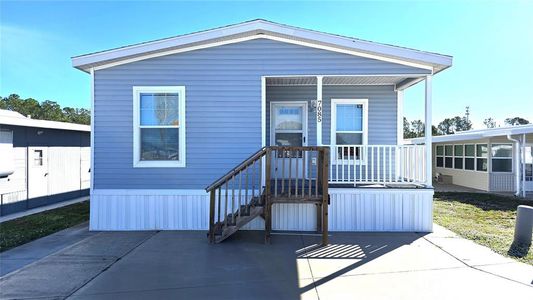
(212, 216)
(267, 208)
(325, 195)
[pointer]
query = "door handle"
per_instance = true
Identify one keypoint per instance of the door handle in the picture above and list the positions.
(46, 174)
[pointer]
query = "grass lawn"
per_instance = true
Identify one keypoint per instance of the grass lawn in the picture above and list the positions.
(26, 229)
(486, 219)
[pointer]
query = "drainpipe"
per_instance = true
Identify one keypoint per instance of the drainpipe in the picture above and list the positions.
(517, 164)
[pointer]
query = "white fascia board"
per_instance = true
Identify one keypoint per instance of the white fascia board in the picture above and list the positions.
(84, 61)
(26, 122)
(477, 134)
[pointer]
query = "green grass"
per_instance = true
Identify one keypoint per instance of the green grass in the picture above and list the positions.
(26, 229)
(484, 218)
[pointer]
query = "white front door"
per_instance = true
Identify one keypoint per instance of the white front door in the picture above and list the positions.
(528, 163)
(37, 172)
(288, 128)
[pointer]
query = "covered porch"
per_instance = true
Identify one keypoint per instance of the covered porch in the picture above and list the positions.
(359, 117)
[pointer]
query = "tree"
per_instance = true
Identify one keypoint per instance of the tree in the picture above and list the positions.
(455, 124)
(516, 121)
(47, 110)
(489, 122)
(418, 128)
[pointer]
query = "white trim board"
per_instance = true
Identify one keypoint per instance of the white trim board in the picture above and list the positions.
(254, 37)
(258, 28)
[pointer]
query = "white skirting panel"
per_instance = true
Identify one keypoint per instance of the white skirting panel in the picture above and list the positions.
(350, 210)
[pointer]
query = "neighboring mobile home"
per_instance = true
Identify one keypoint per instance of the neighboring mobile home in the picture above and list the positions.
(494, 160)
(41, 162)
(174, 116)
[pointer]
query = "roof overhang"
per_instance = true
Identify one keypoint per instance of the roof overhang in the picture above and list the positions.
(28, 122)
(262, 29)
(477, 134)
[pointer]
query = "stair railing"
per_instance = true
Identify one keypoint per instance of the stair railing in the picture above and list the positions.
(291, 175)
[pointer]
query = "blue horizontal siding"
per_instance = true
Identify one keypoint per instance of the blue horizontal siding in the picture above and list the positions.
(223, 107)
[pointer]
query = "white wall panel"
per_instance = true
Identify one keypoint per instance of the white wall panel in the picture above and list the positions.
(350, 210)
(63, 169)
(85, 168)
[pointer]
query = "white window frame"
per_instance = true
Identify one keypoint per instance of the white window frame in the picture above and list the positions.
(461, 157)
(472, 157)
(333, 125)
(137, 162)
(483, 157)
(492, 157)
(449, 156)
(438, 155)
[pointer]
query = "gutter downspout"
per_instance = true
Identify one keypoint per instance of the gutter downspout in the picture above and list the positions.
(517, 164)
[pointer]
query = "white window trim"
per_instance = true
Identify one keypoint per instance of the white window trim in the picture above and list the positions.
(333, 125)
(493, 157)
(137, 163)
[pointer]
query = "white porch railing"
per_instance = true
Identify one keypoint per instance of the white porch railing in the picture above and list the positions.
(378, 164)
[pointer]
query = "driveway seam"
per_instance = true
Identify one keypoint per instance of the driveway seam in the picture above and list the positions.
(114, 262)
(472, 266)
(310, 269)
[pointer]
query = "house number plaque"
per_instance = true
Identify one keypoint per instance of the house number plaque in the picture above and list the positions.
(319, 111)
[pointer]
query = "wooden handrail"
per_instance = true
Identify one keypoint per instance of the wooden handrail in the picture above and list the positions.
(219, 182)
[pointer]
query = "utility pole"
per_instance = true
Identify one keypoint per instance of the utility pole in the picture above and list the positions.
(467, 114)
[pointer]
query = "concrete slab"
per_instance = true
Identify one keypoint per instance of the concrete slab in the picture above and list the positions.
(178, 264)
(21, 256)
(62, 273)
(350, 254)
(462, 283)
(516, 271)
(465, 250)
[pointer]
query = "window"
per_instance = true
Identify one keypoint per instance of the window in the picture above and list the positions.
(37, 158)
(349, 120)
(448, 159)
(502, 157)
(440, 156)
(159, 126)
(481, 157)
(470, 157)
(458, 156)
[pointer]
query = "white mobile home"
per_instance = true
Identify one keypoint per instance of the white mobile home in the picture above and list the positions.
(41, 162)
(494, 160)
(211, 129)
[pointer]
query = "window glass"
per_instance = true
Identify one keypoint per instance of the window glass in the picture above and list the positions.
(289, 139)
(440, 162)
(159, 109)
(502, 165)
(502, 150)
(349, 117)
(458, 150)
(469, 163)
(481, 164)
(470, 150)
(448, 150)
(289, 118)
(159, 143)
(37, 157)
(458, 163)
(448, 162)
(349, 138)
(440, 150)
(481, 150)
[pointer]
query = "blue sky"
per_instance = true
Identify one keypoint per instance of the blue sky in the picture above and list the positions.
(491, 41)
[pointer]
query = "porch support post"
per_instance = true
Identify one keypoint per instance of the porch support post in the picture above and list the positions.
(523, 159)
(319, 110)
(428, 134)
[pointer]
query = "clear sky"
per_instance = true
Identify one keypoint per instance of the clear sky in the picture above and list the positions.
(491, 42)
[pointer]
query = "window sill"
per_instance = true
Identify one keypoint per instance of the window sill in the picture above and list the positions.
(159, 164)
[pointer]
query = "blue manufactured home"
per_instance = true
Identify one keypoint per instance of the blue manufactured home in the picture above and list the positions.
(190, 130)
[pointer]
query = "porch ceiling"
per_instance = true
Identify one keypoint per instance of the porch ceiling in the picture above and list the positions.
(338, 80)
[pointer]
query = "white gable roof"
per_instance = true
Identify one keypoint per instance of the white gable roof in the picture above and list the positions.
(477, 134)
(13, 118)
(262, 29)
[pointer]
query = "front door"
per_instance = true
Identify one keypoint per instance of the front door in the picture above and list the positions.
(528, 163)
(37, 172)
(288, 128)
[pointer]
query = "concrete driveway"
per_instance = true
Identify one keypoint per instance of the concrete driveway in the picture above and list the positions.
(181, 265)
